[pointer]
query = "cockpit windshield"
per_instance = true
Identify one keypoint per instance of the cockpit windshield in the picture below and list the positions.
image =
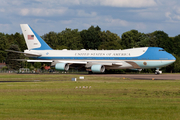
(161, 50)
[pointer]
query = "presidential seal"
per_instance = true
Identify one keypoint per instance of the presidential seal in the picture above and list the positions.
(145, 63)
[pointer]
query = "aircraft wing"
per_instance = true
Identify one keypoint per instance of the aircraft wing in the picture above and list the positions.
(95, 66)
(86, 63)
(136, 66)
(71, 62)
(89, 64)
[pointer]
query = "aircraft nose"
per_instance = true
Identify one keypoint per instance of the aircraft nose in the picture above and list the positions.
(172, 58)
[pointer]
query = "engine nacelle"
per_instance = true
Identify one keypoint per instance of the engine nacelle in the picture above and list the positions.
(98, 68)
(62, 66)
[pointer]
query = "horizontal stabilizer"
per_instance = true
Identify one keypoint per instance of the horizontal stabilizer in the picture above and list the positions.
(26, 54)
(14, 51)
(20, 60)
(32, 60)
(39, 60)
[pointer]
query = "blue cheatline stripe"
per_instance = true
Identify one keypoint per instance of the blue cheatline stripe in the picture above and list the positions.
(140, 63)
(86, 58)
(44, 45)
(95, 58)
(152, 53)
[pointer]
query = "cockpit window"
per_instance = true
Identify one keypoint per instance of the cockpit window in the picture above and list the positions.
(161, 50)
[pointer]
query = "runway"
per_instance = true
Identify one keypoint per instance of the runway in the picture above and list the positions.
(145, 76)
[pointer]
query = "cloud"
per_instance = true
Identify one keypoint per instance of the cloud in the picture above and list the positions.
(111, 3)
(140, 26)
(42, 11)
(151, 15)
(128, 3)
(115, 22)
(115, 15)
(68, 22)
(2, 10)
(82, 13)
(168, 15)
(173, 14)
(4, 28)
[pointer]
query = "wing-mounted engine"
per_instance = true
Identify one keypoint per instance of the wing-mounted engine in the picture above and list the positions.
(98, 68)
(62, 66)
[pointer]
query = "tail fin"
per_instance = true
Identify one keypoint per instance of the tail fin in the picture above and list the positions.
(33, 40)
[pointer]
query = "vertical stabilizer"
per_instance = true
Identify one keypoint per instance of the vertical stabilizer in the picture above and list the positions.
(33, 40)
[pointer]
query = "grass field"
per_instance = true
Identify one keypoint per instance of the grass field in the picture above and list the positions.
(55, 96)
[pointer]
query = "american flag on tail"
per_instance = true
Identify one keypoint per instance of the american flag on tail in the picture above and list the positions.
(30, 37)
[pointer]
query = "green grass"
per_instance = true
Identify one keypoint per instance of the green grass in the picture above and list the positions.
(54, 96)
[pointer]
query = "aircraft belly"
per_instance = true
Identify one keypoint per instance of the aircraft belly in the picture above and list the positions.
(124, 65)
(119, 67)
(153, 64)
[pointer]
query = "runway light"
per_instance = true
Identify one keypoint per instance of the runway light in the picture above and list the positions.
(152, 78)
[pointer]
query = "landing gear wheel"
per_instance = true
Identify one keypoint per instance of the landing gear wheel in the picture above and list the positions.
(90, 72)
(157, 73)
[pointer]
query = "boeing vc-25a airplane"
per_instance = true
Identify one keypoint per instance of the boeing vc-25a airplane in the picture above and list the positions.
(95, 61)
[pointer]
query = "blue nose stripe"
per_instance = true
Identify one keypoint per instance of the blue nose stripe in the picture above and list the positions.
(154, 53)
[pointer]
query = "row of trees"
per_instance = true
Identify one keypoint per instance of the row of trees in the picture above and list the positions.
(94, 38)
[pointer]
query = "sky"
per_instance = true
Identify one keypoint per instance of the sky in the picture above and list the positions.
(117, 16)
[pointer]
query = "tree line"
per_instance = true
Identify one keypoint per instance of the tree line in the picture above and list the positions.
(92, 38)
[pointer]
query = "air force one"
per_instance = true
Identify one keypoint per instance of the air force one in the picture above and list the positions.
(95, 61)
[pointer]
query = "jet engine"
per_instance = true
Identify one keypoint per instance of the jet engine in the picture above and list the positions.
(62, 66)
(98, 68)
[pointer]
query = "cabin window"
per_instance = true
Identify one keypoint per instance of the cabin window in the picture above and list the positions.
(161, 50)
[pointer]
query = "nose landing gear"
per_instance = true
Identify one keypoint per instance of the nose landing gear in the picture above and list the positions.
(158, 72)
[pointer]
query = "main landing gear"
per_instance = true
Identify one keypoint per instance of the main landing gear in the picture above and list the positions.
(158, 72)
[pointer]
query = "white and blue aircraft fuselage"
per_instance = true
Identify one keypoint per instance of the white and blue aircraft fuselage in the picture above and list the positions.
(94, 60)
